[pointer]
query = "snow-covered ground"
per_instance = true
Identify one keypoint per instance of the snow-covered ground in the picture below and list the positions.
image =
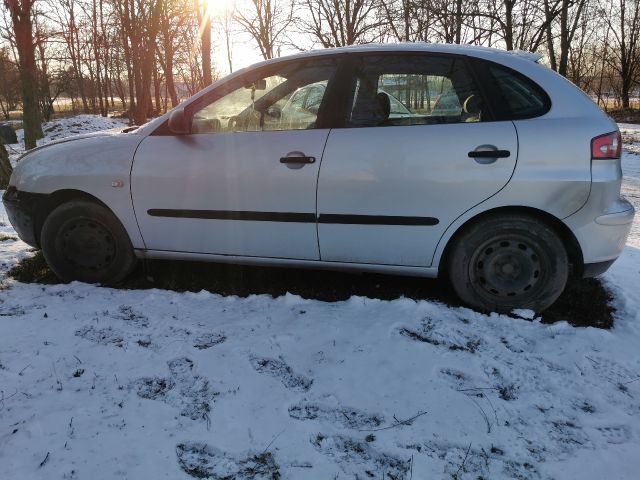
(65, 127)
(98, 383)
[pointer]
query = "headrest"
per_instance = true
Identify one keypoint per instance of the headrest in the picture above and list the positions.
(384, 104)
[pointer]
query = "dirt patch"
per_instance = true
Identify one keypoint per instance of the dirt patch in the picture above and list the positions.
(342, 416)
(189, 392)
(204, 461)
(360, 459)
(456, 340)
(277, 368)
(584, 303)
(131, 316)
(470, 461)
(101, 336)
(208, 340)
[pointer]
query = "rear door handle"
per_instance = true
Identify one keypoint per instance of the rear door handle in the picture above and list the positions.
(298, 160)
(490, 154)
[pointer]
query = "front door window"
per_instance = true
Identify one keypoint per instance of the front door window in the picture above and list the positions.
(276, 102)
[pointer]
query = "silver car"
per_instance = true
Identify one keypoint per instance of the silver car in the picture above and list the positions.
(506, 195)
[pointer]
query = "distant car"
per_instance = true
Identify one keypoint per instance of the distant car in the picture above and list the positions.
(302, 107)
(493, 171)
(447, 104)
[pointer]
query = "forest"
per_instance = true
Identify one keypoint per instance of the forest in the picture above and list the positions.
(139, 58)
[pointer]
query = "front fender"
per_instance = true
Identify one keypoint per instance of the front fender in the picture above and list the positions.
(98, 165)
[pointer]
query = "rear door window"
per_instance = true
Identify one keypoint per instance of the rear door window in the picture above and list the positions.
(401, 90)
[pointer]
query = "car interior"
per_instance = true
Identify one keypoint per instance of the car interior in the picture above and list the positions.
(372, 105)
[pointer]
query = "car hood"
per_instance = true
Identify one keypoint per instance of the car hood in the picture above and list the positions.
(71, 161)
(104, 133)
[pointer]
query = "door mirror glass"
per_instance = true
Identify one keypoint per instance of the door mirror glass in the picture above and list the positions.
(179, 123)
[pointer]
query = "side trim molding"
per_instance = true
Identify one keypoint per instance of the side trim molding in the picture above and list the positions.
(235, 215)
(290, 217)
(376, 220)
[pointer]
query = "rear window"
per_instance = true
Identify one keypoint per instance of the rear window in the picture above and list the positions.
(522, 98)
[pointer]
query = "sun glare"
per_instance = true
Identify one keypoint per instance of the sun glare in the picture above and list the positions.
(216, 8)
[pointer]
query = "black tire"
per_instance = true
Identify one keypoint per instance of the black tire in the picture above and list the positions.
(84, 241)
(508, 261)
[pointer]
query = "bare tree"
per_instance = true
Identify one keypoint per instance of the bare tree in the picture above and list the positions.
(266, 21)
(624, 53)
(406, 20)
(204, 22)
(225, 23)
(22, 20)
(171, 24)
(9, 84)
(338, 23)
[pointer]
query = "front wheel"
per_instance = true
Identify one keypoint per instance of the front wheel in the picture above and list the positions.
(84, 241)
(509, 261)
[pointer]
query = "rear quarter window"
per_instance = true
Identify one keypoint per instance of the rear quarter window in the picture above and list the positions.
(520, 98)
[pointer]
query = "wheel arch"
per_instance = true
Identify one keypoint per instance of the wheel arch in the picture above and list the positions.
(49, 203)
(569, 240)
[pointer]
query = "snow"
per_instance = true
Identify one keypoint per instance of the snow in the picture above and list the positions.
(65, 127)
(631, 172)
(102, 383)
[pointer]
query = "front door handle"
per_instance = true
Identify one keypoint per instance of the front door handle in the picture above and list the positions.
(487, 154)
(296, 160)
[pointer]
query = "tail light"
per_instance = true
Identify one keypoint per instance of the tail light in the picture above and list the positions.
(607, 146)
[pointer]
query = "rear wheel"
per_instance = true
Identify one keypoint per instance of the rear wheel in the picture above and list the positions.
(509, 261)
(84, 241)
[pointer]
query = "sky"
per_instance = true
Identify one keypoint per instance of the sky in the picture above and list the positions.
(244, 48)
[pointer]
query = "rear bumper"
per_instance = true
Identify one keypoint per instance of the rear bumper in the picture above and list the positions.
(602, 237)
(22, 208)
(594, 269)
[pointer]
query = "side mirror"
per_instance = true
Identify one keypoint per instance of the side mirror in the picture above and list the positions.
(179, 124)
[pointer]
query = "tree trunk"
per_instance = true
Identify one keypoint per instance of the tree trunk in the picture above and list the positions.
(156, 91)
(207, 77)
(168, 61)
(23, 29)
(549, 35)
(625, 93)
(5, 167)
(458, 38)
(508, 34)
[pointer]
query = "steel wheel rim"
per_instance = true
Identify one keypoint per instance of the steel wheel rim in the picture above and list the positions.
(87, 244)
(508, 267)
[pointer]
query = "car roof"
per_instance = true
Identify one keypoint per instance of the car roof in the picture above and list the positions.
(503, 56)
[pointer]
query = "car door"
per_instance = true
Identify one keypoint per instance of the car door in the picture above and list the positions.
(390, 185)
(244, 181)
